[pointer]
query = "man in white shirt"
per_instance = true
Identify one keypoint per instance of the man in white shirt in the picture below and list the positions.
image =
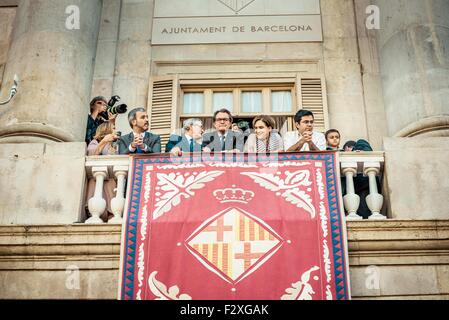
(139, 140)
(304, 138)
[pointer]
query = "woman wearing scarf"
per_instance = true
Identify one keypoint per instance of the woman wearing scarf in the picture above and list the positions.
(265, 139)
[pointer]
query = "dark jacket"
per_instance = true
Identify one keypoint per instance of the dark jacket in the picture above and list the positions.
(233, 141)
(92, 126)
(182, 143)
(362, 145)
(151, 140)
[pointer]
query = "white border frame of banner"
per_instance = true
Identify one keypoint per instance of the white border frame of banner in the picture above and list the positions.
(344, 226)
(342, 217)
(125, 221)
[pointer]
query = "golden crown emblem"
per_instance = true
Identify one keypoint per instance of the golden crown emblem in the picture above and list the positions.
(233, 195)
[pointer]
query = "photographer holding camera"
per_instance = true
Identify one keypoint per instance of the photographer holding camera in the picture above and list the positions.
(101, 112)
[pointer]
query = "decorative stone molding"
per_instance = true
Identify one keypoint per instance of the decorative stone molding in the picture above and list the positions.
(437, 126)
(42, 254)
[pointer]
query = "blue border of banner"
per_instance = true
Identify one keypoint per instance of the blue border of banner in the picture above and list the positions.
(336, 222)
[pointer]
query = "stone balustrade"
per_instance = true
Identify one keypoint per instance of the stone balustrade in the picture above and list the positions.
(368, 166)
(354, 164)
(101, 169)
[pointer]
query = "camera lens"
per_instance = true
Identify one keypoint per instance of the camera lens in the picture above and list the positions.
(120, 109)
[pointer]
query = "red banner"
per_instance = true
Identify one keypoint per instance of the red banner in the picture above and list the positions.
(245, 228)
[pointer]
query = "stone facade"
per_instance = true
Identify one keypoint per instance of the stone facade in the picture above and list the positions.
(388, 260)
(389, 86)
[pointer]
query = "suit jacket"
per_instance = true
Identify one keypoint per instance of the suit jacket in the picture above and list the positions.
(151, 140)
(183, 143)
(233, 141)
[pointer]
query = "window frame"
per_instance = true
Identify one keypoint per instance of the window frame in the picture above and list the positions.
(237, 90)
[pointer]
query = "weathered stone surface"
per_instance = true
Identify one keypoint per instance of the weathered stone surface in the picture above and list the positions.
(342, 70)
(409, 259)
(55, 66)
(417, 171)
(133, 64)
(41, 183)
(106, 49)
(413, 48)
(7, 16)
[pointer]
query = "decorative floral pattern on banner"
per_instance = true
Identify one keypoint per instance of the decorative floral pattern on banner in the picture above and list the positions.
(253, 228)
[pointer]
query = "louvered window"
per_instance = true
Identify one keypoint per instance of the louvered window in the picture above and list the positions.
(163, 98)
(312, 100)
(172, 101)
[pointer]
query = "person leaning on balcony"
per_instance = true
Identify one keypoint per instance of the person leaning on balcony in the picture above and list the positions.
(98, 115)
(348, 146)
(102, 145)
(189, 141)
(265, 139)
(223, 139)
(139, 140)
(304, 138)
(360, 145)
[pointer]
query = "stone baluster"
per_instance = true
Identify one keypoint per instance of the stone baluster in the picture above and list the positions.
(351, 200)
(118, 203)
(97, 205)
(374, 200)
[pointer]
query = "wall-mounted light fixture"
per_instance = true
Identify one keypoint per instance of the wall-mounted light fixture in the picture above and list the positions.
(13, 90)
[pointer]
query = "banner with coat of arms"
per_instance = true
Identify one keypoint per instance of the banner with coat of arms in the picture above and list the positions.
(234, 227)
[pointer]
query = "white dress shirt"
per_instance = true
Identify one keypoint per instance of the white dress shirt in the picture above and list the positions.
(292, 137)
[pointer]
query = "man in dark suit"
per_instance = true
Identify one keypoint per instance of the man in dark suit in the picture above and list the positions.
(139, 141)
(223, 139)
(188, 141)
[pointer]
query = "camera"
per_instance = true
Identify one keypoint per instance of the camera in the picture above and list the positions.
(113, 109)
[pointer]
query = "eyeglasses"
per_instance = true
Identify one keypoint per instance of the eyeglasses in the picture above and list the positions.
(102, 103)
(222, 120)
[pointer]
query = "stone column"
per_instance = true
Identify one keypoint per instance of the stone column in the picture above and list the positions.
(413, 48)
(133, 64)
(345, 91)
(55, 66)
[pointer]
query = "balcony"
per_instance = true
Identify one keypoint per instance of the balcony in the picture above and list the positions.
(368, 166)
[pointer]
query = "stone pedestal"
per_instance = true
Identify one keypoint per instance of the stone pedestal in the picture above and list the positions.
(55, 66)
(42, 184)
(416, 171)
(413, 45)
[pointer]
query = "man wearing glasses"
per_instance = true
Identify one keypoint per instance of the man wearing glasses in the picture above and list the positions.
(223, 139)
(98, 108)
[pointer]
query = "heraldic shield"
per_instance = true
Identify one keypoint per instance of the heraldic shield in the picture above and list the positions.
(251, 227)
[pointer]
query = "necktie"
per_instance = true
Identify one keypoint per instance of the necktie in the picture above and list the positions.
(191, 145)
(139, 150)
(223, 143)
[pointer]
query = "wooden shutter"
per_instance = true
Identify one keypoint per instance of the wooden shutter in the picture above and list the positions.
(162, 106)
(313, 98)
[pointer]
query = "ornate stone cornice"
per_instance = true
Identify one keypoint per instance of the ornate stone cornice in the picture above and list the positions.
(398, 242)
(370, 242)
